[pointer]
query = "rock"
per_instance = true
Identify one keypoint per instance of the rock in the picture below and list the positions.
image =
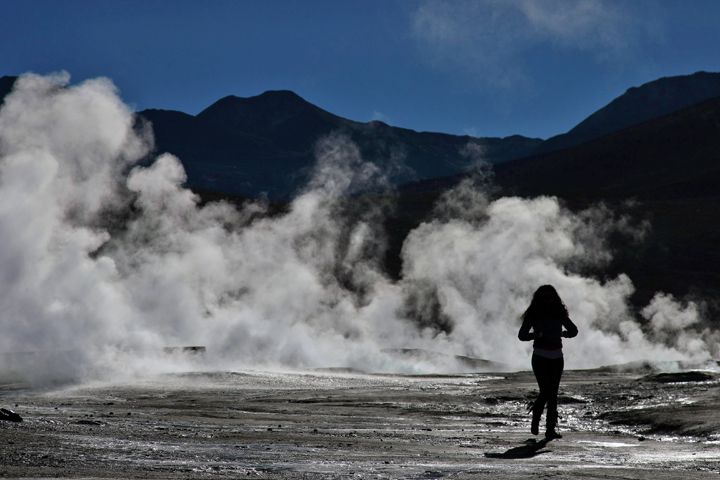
(9, 415)
(678, 377)
(567, 399)
(186, 350)
(88, 422)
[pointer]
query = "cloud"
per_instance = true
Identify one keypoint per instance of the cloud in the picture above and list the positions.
(471, 131)
(490, 38)
(583, 24)
(378, 115)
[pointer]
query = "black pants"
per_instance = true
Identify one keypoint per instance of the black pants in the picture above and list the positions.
(547, 373)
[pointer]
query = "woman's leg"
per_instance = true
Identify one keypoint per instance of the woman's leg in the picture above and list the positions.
(540, 371)
(554, 373)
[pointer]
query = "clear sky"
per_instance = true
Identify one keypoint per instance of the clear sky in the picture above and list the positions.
(484, 67)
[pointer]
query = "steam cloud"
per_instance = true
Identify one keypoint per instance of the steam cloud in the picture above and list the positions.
(107, 262)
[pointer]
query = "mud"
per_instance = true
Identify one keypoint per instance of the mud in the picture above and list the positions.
(336, 424)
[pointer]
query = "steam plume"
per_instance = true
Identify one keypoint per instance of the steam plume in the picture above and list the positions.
(109, 262)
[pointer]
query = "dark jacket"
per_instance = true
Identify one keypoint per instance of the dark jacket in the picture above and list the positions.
(547, 332)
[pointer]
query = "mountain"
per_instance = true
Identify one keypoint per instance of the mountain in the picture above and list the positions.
(673, 156)
(657, 146)
(6, 85)
(639, 104)
(668, 168)
(266, 143)
(238, 145)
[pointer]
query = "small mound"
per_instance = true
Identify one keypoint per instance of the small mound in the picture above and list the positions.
(467, 364)
(348, 370)
(567, 400)
(649, 367)
(677, 377)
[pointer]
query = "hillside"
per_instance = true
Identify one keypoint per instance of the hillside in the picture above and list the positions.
(669, 167)
(6, 85)
(657, 145)
(639, 104)
(238, 145)
(265, 144)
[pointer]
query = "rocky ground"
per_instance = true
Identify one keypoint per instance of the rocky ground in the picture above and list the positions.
(350, 425)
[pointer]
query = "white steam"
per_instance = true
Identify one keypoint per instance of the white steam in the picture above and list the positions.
(109, 263)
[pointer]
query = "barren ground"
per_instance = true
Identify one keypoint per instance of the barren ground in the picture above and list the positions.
(349, 425)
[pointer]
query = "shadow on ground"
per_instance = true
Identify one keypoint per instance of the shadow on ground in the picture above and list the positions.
(528, 449)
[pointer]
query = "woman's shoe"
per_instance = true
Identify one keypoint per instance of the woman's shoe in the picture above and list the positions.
(536, 414)
(552, 435)
(535, 425)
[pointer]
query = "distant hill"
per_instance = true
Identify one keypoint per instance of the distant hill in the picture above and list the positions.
(239, 145)
(657, 144)
(6, 85)
(669, 166)
(674, 156)
(266, 144)
(639, 104)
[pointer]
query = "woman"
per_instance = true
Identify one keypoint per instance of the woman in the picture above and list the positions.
(546, 316)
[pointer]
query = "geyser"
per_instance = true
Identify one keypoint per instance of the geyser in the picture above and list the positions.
(108, 262)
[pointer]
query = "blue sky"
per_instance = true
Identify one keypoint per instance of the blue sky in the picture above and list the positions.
(484, 67)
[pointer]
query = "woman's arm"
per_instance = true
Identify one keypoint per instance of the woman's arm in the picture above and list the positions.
(524, 334)
(570, 328)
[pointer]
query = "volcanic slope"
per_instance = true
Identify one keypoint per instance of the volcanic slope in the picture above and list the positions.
(668, 168)
(640, 104)
(266, 144)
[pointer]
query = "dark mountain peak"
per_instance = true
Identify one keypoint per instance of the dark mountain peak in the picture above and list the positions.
(280, 95)
(640, 104)
(285, 100)
(520, 138)
(6, 85)
(664, 87)
(164, 113)
(378, 124)
(651, 100)
(271, 110)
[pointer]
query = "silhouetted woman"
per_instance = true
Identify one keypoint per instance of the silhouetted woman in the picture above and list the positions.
(546, 316)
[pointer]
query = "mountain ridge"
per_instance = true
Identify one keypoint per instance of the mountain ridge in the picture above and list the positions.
(668, 166)
(665, 171)
(639, 104)
(237, 143)
(264, 144)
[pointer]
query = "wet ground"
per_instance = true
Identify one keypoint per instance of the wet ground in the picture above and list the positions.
(347, 425)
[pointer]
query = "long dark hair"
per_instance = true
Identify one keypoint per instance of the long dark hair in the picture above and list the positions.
(546, 303)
